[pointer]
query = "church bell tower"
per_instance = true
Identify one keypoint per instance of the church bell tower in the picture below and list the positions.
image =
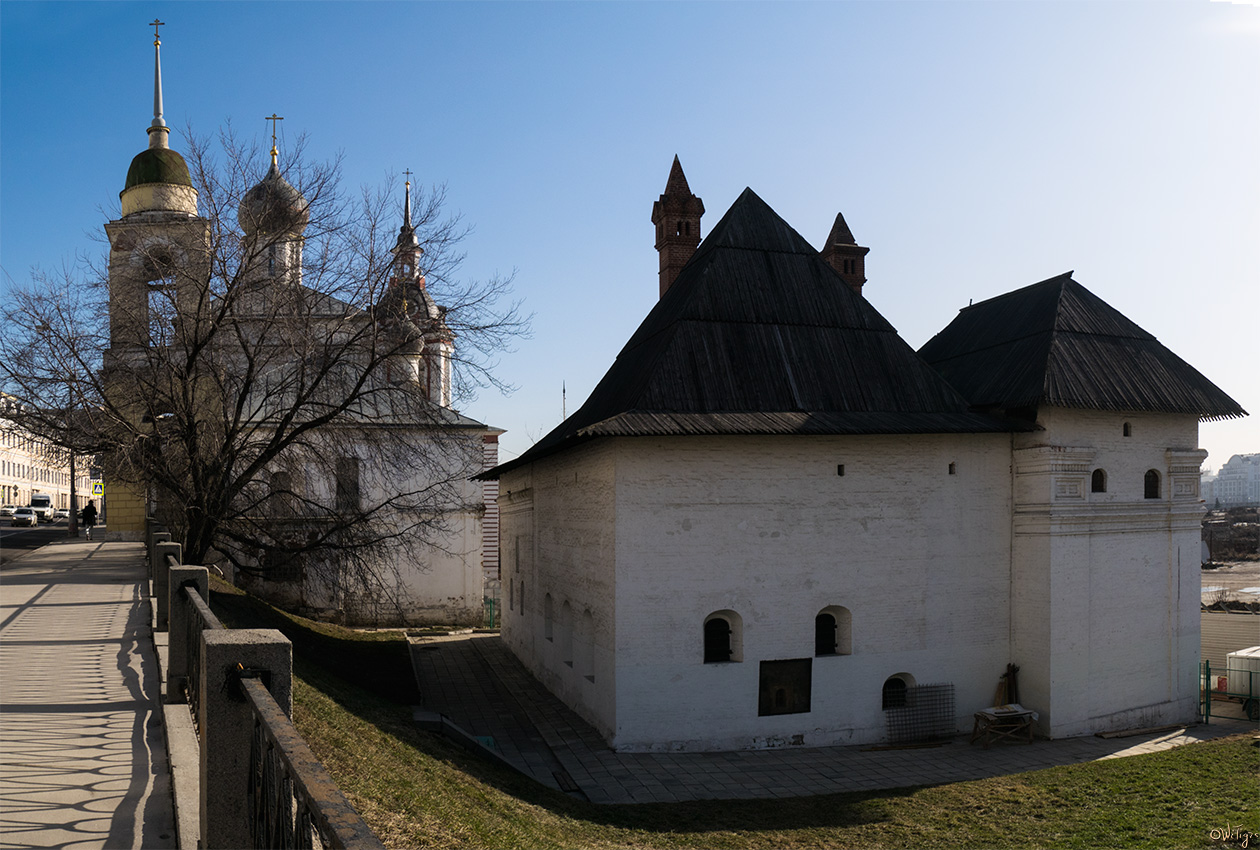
(158, 268)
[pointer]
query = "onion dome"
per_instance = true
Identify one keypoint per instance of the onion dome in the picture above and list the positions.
(273, 206)
(158, 179)
(157, 165)
(393, 314)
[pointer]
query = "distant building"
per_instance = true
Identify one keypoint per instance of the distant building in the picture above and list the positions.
(30, 466)
(774, 523)
(1237, 482)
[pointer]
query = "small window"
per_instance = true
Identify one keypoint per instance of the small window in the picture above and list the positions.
(1098, 481)
(840, 469)
(717, 640)
(953, 469)
(1152, 484)
(347, 485)
(894, 694)
(723, 637)
(1128, 430)
(833, 631)
(824, 634)
(784, 687)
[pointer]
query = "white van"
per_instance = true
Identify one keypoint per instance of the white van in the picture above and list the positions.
(43, 506)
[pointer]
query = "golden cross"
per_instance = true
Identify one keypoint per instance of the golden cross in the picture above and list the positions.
(156, 34)
(407, 173)
(273, 118)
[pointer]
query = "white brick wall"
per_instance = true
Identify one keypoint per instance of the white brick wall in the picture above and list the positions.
(947, 576)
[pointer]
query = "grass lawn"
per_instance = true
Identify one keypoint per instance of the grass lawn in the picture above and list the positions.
(352, 703)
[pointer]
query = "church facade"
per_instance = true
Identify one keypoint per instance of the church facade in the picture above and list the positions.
(214, 331)
(774, 523)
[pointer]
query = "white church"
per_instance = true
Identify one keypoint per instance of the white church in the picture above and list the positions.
(258, 325)
(773, 520)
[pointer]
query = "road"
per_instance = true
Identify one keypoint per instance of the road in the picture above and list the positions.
(15, 542)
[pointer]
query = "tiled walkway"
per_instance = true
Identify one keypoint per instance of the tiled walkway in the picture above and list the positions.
(82, 758)
(480, 686)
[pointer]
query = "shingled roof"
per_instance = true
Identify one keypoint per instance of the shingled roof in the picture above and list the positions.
(759, 335)
(1056, 343)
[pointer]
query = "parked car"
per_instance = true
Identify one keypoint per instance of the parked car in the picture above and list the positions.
(25, 516)
(61, 513)
(8, 510)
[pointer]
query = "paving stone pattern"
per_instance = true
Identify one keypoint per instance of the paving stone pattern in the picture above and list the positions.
(82, 755)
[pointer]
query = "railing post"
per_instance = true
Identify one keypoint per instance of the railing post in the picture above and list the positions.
(179, 657)
(158, 535)
(162, 580)
(227, 724)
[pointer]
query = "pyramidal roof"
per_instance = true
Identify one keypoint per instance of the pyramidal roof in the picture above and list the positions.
(1057, 343)
(840, 233)
(759, 335)
(676, 184)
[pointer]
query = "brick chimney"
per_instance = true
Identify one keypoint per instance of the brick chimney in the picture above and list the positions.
(844, 255)
(677, 219)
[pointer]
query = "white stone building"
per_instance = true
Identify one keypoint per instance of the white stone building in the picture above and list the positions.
(773, 520)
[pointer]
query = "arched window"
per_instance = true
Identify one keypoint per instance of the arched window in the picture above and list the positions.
(548, 631)
(723, 639)
(717, 640)
(895, 688)
(824, 634)
(833, 631)
(1128, 430)
(1152, 484)
(1098, 481)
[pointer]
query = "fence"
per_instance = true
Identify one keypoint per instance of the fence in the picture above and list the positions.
(260, 785)
(1231, 684)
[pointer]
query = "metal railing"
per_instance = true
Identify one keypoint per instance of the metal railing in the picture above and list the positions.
(260, 783)
(292, 800)
(202, 618)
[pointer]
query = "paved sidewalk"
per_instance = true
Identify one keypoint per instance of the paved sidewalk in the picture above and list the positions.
(82, 757)
(480, 686)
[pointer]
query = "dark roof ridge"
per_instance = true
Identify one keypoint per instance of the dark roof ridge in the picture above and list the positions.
(1063, 277)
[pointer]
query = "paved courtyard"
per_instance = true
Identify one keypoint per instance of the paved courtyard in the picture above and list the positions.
(480, 686)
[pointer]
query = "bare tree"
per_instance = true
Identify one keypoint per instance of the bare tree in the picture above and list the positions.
(268, 372)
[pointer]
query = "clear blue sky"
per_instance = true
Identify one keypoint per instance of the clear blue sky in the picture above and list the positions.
(974, 147)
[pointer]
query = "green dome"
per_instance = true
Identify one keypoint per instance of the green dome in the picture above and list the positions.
(157, 165)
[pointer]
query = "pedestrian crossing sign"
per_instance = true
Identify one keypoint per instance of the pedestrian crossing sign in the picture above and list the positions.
(98, 488)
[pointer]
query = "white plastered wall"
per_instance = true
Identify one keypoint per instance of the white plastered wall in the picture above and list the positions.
(557, 525)
(1104, 602)
(767, 528)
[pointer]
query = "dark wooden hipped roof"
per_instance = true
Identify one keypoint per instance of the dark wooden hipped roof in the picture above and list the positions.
(759, 335)
(1057, 343)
